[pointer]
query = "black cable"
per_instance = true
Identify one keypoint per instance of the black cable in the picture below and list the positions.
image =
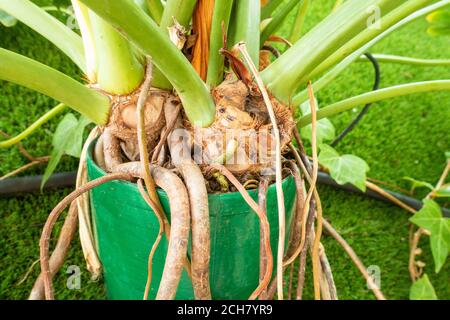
(16, 186)
(358, 118)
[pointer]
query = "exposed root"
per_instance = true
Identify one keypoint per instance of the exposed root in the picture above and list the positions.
(179, 228)
(153, 206)
(198, 198)
(263, 259)
(111, 150)
(56, 261)
(279, 176)
(329, 228)
(53, 217)
(25, 167)
(263, 222)
(86, 232)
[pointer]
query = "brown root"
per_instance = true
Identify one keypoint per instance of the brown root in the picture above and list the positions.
(50, 223)
(56, 261)
(198, 198)
(176, 257)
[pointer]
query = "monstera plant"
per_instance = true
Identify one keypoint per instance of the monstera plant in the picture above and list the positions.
(178, 90)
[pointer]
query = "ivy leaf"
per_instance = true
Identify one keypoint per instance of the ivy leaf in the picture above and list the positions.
(344, 169)
(418, 184)
(422, 289)
(430, 218)
(443, 192)
(68, 139)
(7, 20)
(74, 149)
(325, 130)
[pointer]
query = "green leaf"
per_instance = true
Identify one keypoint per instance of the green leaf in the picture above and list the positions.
(422, 289)
(7, 20)
(74, 149)
(344, 169)
(443, 192)
(68, 139)
(447, 155)
(325, 130)
(430, 218)
(418, 184)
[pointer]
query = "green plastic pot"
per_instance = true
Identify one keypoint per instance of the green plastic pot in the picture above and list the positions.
(125, 229)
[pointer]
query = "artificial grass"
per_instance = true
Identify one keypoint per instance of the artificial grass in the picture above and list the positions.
(401, 137)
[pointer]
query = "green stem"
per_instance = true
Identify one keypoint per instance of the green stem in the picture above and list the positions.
(375, 96)
(119, 70)
(369, 33)
(156, 9)
(387, 58)
(180, 10)
(145, 34)
(245, 26)
(28, 131)
(338, 69)
(222, 12)
(297, 27)
(269, 8)
(87, 34)
(49, 27)
(39, 77)
(283, 76)
(277, 20)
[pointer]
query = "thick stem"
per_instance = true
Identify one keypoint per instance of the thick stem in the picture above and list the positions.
(156, 9)
(221, 19)
(379, 95)
(29, 73)
(145, 33)
(370, 33)
(277, 21)
(49, 27)
(284, 75)
(177, 10)
(244, 27)
(299, 21)
(118, 69)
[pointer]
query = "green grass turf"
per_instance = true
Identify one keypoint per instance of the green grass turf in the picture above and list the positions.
(401, 137)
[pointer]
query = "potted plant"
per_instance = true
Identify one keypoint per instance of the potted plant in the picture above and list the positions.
(200, 112)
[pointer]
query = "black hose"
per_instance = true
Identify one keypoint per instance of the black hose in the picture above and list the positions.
(17, 186)
(358, 118)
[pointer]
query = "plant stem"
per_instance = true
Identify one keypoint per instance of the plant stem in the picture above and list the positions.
(269, 8)
(87, 34)
(374, 96)
(245, 27)
(284, 75)
(156, 9)
(221, 19)
(28, 131)
(178, 10)
(278, 171)
(387, 58)
(338, 69)
(297, 27)
(370, 33)
(144, 32)
(39, 77)
(49, 27)
(277, 20)
(119, 71)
